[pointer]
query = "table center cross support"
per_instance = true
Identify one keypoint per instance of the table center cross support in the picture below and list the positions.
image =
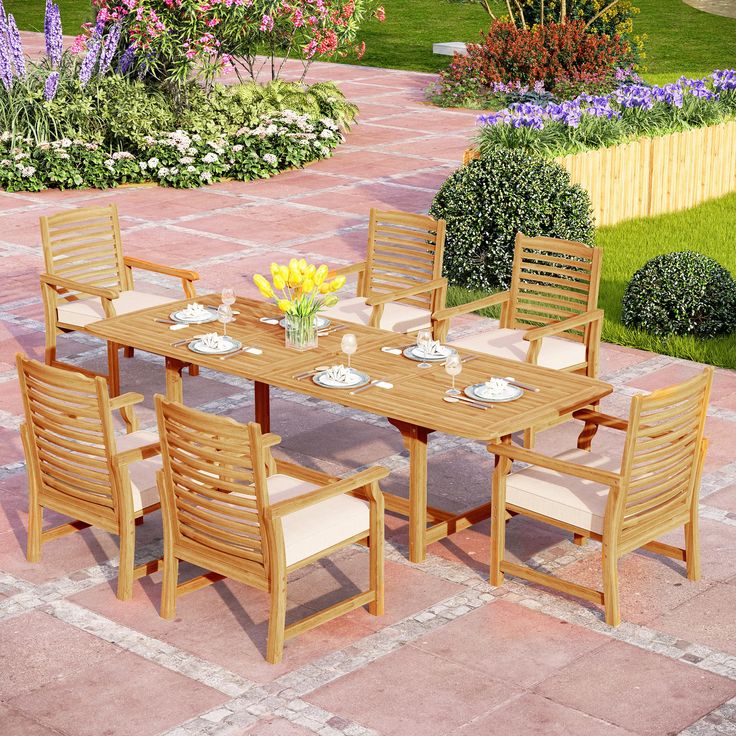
(414, 404)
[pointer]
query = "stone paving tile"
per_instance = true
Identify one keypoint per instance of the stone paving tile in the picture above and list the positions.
(533, 715)
(16, 723)
(413, 693)
(638, 690)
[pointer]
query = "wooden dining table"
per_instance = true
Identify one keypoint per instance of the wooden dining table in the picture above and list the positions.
(414, 405)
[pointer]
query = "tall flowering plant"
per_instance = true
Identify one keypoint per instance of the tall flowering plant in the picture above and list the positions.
(174, 39)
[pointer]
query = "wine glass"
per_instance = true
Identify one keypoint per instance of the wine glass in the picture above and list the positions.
(348, 345)
(424, 340)
(225, 315)
(228, 296)
(453, 367)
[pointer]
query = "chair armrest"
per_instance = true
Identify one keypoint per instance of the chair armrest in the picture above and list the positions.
(119, 402)
(338, 488)
(347, 270)
(513, 452)
(70, 285)
(139, 453)
(599, 419)
(409, 291)
(487, 301)
(179, 273)
(537, 333)
(270, 439)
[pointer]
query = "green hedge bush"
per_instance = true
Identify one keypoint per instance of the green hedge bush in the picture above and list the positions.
(488, 201)
(682, 293)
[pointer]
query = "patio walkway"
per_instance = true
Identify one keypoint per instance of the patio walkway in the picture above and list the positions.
(452, 655)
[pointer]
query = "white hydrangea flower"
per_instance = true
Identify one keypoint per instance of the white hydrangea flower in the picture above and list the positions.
(270, 159)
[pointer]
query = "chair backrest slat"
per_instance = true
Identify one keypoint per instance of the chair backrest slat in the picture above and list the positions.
(404, 250)
(70, 437)
(552, 280)
(663, 456)
(214, 472)
(84, 245)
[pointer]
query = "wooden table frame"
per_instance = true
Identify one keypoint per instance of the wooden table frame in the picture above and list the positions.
(414, 406)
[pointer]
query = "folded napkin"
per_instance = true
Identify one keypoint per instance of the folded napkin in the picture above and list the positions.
(194, 311)
(495, 386)
(213, 341)
(339, 374)
(433, 347)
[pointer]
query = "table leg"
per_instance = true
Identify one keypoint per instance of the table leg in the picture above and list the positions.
(174, 387)
(498, 515)
(263, 406)
(415, 441)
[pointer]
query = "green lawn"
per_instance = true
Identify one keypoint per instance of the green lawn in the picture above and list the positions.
(29, 14)
(707, 229)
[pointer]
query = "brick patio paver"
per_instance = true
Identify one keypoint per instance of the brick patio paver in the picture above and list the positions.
(452, 656)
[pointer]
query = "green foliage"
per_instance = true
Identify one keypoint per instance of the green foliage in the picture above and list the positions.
(491, 199)
(682, 293)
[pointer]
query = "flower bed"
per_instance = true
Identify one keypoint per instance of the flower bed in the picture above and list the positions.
(639, 151)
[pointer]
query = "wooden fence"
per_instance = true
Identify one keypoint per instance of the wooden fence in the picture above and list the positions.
(652, 176)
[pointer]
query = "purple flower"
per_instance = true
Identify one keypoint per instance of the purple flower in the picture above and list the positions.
(635, 96)
(724, 79)
(53, 33)
(51, 86)
(90, 59)
(126, 60)
(6, 67)
(539, 86)
(111, 45)
(16, 47)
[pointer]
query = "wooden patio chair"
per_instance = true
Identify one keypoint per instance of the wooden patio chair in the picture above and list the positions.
(625, 502)
(232, 509)
(77, 466)
(549, 315)
(88, 278)
(400, 284)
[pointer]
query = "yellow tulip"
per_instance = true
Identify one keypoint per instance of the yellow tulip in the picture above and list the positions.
(284, 305)
(302, 265)
(311, 270)
(293, 264)
(307, 285)
(262, 284)
(284, 272)
(331, 300)
(278, 281)
(295, 278)
(275, 269)
(337, 283)
(324, 288)
(320, 275)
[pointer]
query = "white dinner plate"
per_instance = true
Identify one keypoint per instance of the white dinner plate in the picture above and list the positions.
(231, 345)
(413, 352)
(510, 394)
(356, 379)
(181, 317)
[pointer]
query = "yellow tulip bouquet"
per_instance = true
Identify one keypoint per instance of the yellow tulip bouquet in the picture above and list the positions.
(300, 290)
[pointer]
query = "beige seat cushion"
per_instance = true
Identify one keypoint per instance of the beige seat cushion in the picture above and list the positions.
(556, 352)
(397, 316)
(318, 527)
(575, 501)
(86, 311)
(142, 472)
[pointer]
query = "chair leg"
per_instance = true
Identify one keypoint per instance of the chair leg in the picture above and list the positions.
(169, 585)
(692, 548)
(113, 369)
(35, 525)
(139, 521)
(610, 588)
(375, 557)
(127, 561)
(128, 352)
(193, 370)
(579, 539)
(277, 619)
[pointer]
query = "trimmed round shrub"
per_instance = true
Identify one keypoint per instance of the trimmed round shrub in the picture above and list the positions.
(683, 293)
(488, 201)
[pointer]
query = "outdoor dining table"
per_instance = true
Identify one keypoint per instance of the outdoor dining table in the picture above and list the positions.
(414, 405)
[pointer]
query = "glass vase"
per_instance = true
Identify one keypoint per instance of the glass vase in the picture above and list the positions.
(301, 332)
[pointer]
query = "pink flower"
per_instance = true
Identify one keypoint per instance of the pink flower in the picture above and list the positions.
(380, 14)
(361, 49)
(266, 23)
